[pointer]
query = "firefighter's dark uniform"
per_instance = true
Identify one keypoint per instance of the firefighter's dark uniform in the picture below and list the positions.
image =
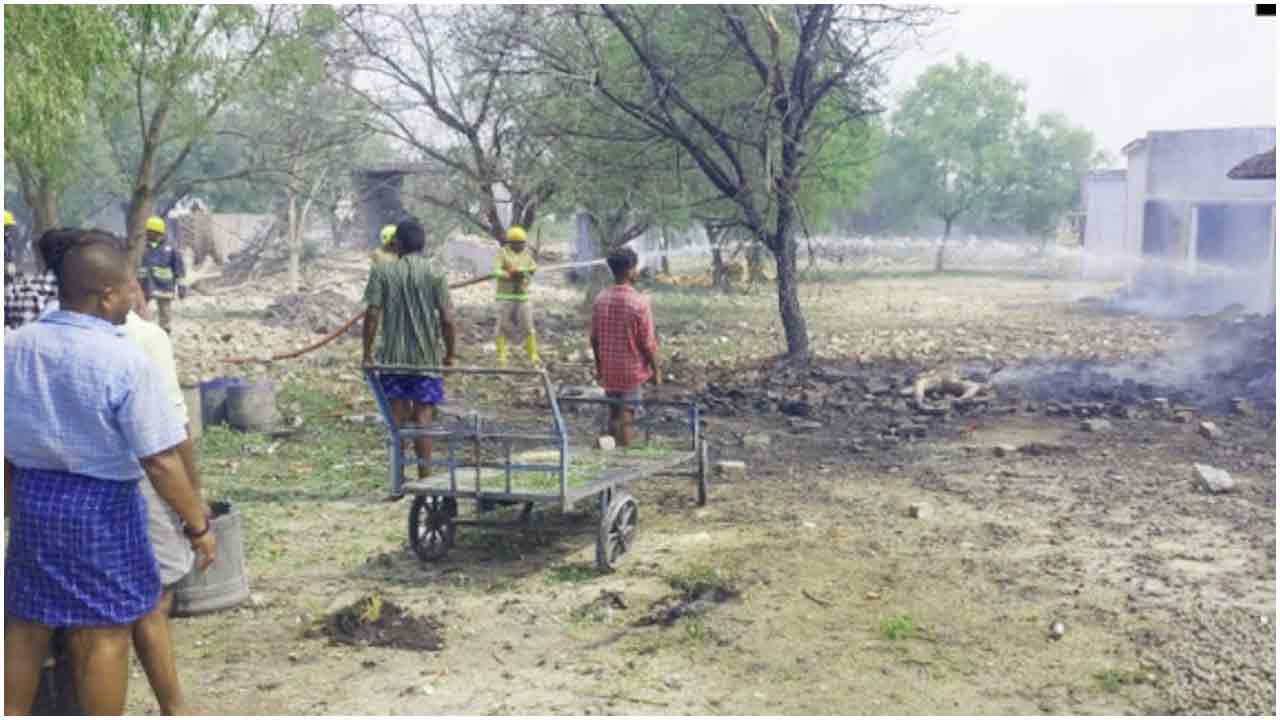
(161, 277)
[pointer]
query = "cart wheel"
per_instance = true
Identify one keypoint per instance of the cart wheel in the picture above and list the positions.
(617, 531)
(704, 473)
(432, 528)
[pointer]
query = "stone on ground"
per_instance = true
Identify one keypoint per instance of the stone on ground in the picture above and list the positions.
(920, 511)
(1214, 480)
(731, 469)
(1210, 430)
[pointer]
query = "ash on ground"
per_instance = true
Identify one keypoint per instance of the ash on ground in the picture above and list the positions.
(1225, 363)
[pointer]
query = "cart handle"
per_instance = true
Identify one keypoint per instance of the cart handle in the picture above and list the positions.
(422, 370)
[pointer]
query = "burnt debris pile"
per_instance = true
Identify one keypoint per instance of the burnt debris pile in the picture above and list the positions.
(1230, 367)
(319, 312)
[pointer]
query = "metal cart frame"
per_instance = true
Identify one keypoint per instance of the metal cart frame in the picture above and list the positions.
(433, 515)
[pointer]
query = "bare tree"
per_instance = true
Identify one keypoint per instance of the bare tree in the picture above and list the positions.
(300, 154)
(424, 73)
(750, 94)
(185, 66)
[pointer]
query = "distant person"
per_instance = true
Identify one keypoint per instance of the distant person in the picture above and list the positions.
(514, 271)
(387, 250)
(87, 418)
(162, 274)
(27, 297)
(152, 637)
(624, 343)
(10, 248)
(411, 305)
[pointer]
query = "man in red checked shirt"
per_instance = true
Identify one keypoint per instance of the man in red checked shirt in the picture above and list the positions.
(624, 343)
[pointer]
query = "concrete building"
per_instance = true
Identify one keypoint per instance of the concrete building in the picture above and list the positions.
(1189, 225)
(1186, 230)
(1262, 167)
(1104, 194)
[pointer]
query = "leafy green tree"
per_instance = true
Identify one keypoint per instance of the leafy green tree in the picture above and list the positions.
(1052, 158)
(186, 67)
(956, 133)
(53, 55)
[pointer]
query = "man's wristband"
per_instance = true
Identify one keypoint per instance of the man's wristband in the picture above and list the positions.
(195, 536)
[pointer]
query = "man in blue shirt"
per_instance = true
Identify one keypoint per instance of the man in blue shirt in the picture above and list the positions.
(86, 418)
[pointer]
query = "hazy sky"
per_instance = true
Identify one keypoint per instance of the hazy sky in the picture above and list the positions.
(1120, 70)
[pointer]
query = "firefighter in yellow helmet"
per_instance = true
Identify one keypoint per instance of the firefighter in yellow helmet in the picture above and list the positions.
(386, 251)
(162, 275)
(10, 239)
(514, 270)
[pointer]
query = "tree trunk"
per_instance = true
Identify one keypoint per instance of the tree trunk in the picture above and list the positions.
(666, 249)
(583, 247)
(43, 201)
(45, 210)
(755, 264)
(939, 261)
(597, 277)
(135, 219)
(793, 323)
(719, 271)
(294, 233)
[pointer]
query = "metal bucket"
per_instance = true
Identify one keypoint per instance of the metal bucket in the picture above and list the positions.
(191, 395)
(213, 400)
(251, 407)
(224, 584)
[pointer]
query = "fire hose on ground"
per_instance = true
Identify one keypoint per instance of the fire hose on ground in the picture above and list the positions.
(336, 333)
(347, 325)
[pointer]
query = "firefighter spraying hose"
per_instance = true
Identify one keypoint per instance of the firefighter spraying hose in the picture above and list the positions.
(488, 277)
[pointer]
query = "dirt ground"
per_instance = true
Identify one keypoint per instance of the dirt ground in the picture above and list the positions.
(1067, 572)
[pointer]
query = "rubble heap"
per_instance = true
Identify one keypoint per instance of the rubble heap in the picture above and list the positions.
(320, 312)
(1231, 370)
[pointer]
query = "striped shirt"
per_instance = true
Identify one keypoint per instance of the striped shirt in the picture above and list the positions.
(411, 298)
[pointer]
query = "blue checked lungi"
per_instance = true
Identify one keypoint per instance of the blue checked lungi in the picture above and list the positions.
(426, 390)
(78, 551)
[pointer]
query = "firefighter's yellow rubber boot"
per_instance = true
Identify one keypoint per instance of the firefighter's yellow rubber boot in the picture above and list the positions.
(501, 342)
(531, 347)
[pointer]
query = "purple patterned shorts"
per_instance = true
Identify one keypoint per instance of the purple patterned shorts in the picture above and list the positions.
(420, 389)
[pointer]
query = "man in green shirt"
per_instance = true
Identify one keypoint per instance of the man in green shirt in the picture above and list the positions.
(412, 305)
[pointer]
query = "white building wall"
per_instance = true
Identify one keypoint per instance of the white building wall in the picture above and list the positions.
(1104, 232)
(1192, 165)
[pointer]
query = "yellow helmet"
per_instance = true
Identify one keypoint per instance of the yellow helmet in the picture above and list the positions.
(155, 224)
(388, 234)
(515, 234)
(8, 219)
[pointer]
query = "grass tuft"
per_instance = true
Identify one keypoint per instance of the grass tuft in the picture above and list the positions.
(899, 627)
